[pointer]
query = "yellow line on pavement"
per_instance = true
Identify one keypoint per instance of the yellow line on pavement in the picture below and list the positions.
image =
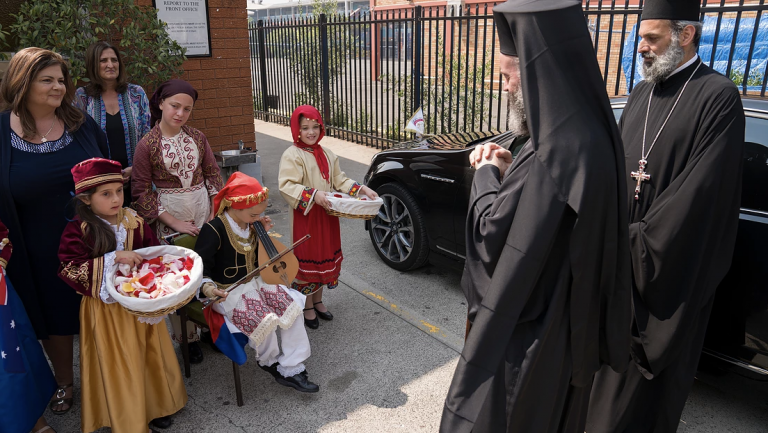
(421, 324)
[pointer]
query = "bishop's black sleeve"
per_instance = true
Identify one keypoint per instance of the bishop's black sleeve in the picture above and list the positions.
(683, 246)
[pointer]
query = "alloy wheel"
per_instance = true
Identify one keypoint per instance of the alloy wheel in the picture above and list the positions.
(392, 229)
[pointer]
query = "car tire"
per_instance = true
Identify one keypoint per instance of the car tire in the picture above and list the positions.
(400, 215)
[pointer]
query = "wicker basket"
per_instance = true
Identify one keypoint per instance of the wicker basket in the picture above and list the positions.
(348, 215)
(158, 307)
(161, 312)
(346, 206)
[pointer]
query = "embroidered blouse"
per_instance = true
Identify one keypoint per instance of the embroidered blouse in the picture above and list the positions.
(86, 274)
(134, 113)
(47, 147)
(300, 177)
(183, 161)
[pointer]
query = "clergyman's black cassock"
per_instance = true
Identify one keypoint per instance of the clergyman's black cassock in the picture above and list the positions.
(547, 273)
(682, 234)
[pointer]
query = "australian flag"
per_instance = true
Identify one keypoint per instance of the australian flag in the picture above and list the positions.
(10, 349)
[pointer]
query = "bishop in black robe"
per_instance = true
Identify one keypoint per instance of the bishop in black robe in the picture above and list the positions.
(547, 271)
(682, 232)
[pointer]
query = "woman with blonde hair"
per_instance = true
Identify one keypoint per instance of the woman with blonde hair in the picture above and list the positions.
(42, 136)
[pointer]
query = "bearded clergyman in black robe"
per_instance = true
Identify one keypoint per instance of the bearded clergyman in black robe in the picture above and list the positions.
(547, 272)
(683, 132)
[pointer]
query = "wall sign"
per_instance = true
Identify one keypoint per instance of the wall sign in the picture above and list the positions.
(187, 23)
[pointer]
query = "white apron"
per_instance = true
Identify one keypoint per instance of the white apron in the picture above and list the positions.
(256, 309)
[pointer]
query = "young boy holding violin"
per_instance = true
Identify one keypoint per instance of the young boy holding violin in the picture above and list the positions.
(250, 313)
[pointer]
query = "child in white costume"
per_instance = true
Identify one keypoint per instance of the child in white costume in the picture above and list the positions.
(252, 312)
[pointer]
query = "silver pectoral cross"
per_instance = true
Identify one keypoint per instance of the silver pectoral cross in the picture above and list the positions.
(640, 175)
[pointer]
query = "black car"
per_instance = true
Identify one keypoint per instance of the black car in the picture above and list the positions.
(426, 186)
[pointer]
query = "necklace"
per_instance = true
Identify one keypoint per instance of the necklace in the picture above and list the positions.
(42, 137)
(640, 175)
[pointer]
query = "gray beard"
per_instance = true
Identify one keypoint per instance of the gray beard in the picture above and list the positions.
(664, 64)
(516, 118)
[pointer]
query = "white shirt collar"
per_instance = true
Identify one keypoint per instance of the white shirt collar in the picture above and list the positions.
(685, 65)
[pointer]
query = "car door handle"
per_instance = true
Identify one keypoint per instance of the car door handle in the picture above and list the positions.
(437, 178)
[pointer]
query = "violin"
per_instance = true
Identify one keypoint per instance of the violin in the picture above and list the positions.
(283, 271)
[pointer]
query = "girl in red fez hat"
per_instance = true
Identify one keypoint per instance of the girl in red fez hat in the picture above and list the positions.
(129, 372)
(228, 246)
(175, 177)
(308, 172)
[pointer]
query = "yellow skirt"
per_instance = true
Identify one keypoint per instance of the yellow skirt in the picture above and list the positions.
(129, 371)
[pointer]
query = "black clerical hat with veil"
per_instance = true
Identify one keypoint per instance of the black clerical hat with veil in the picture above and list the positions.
(682, 10)
(575, 136)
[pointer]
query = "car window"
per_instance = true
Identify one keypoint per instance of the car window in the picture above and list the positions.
(617, 113)
(755, 178)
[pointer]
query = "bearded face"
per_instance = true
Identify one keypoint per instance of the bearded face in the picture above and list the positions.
(516, 117)
(657, 67)
(660, 49)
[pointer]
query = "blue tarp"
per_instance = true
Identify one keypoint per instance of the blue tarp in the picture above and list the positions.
(724, 43)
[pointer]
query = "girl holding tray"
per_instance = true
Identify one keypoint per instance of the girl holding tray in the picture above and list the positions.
(129, 371)
(308, 173)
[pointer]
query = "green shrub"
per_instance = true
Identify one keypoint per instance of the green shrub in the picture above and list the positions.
(68, 27)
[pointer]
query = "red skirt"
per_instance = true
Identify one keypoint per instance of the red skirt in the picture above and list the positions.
(319, 257)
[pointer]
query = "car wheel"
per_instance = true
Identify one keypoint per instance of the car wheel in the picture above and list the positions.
(398, 232)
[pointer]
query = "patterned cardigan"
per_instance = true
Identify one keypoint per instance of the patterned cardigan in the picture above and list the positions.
(149, 171)
(134, 112)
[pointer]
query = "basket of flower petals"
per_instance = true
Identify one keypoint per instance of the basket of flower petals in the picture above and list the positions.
(346, 206)
(165, 281)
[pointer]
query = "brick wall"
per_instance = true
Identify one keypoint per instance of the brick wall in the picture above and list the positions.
(224, 108)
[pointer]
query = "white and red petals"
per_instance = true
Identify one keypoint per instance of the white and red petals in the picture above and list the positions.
(155, 277)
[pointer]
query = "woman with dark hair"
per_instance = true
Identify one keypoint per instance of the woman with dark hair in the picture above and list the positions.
(120, 108)
(177, 160)
(42, 136)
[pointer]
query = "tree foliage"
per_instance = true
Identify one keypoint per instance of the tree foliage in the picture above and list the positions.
(68, 27)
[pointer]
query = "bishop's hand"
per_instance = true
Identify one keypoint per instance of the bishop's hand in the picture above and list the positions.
(491, 153)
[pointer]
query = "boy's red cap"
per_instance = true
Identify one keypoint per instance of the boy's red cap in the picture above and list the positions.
(94, 172)
(240, 192)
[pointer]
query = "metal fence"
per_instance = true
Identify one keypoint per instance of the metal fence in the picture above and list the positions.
(369, 73)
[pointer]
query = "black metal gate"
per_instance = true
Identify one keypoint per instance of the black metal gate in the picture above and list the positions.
(369, 73)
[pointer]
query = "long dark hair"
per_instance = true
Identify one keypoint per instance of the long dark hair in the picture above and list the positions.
(92, 65)
(97, 234)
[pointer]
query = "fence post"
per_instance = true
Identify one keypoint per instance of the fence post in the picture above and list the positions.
(416, 61)
(325, 68)
(262, 38)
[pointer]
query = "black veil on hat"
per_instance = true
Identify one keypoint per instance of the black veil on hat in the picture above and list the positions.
(678, 10)
(575, 136)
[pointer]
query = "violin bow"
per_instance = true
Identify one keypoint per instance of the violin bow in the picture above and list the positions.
(249, 276)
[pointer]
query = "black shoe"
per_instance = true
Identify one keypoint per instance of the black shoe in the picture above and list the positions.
(300, 382)
(311, 324)
(325, 315)
(206, 338)
(162, 422)
(271, 369)
(195, 353)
